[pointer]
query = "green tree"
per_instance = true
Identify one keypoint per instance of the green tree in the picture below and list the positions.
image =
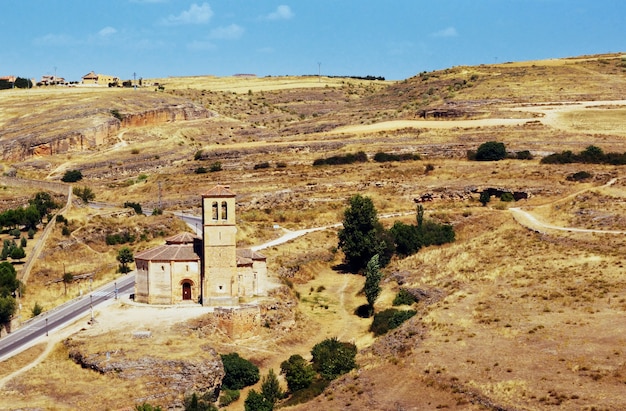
(332, 358)
(72, 176)
(406, 238)
(86, 194)
(255, 401)
(7, 309)
(44, 203)
(239, 372)
(194, 402)
(484, 198)
(373, 275)
(491, 151)
(67, 279)
(298, 372)
(125, 257)
(362, 235)
(17, 253)
(270, 388)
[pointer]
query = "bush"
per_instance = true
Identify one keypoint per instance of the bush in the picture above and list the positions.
(240, 372)
(134, 206)
(299, 374)
(491, 151)
(382, 157)
(403, 297)
(524, 155)
(72, 176)
(579, 176)
(216, 166)
(507, 197)
(281, 164)
(198, 155)
(36, 310)
(262, 165)
(359, 157)
(228, 397)
(332, 358)
(389, 319)
(201, 170)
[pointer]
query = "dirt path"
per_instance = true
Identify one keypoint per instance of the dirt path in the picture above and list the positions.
(530, 221)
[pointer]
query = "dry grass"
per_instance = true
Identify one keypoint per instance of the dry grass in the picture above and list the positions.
(524, 320)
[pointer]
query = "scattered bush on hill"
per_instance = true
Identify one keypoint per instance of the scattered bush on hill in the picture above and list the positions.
(216, 166)
(590, 155)
(409, 239)
(72, 176)
(134, 206)
(86, 194)
(382, 157)
(579, 176)
(332, 358)
(262, 165)
(490, 151)
(403, 297)
(351, 158)
(240, 372)
(389, 319)
(507, 197)
(523, 155)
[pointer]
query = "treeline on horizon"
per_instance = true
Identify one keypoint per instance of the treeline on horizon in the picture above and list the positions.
(381, 78)
(19, 83)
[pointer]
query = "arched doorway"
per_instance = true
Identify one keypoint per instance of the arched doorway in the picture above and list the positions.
(186, 290)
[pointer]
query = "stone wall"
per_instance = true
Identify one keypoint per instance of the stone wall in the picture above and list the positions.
(242, 322)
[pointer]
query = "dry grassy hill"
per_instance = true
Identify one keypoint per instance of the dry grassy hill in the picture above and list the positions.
(519, 319)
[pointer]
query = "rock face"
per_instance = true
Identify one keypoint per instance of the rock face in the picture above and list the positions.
(200, 375)
(21, 141)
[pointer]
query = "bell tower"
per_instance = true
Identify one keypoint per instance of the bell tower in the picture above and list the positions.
(219, 260)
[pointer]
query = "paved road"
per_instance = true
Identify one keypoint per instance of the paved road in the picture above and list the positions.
(64, 314)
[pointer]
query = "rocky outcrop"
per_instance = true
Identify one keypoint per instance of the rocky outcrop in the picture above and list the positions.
(19, 142)
(201, 374)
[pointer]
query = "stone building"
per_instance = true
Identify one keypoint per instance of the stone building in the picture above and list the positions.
(210, 270)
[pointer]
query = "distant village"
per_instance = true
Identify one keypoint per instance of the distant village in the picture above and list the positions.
(90, 79)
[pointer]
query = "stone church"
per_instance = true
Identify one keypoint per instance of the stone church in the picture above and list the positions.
(209, 270)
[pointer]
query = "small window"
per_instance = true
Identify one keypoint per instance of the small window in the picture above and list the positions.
(224, 210)
(220, 287)
(214, 210)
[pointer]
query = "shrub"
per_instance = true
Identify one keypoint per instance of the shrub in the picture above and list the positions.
(281, 164)
(429, 167)
(359, 157)
(72, 176)
(491, 151)
(201, 170)
(239, 372)
(403, 297)
(116, 113)
(524, 155)
(507, 197)
(198, 155)
(579, 176)
(134, 206)
(298, 373)
(65, 231)
(228, 397)
(382, 157)
(389, 319)
(262, 165)
(31, 234)
(216, 166)
(36, 310)
(16, 233)
(332, 358)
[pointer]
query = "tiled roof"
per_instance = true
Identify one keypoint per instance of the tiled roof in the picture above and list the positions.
(182, 238)
(169, 252)
(248, 253)
(219, 191)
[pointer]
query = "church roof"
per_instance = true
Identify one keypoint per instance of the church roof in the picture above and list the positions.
(182, 238)
(219, 191)
(169, 252)
(248, 253)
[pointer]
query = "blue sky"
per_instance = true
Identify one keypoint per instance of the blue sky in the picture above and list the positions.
(395, 39)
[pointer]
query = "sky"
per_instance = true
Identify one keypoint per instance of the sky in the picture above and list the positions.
(395, 39)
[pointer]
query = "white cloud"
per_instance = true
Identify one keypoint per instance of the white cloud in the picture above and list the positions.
(447, 32)
(281, 13)
(227, 33)
(107, 31)
(195, 15)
